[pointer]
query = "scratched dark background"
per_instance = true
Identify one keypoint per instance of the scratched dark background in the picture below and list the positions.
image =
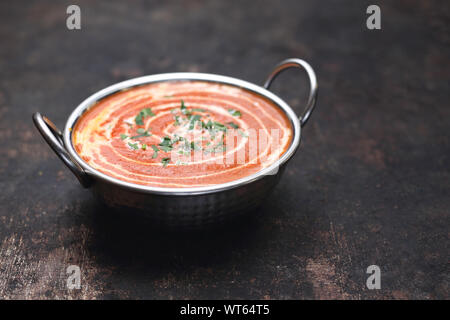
(370, 184)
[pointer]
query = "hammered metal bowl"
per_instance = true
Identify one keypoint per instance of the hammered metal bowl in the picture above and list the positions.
(181, 207)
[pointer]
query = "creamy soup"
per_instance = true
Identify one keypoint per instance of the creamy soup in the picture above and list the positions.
(182, 134)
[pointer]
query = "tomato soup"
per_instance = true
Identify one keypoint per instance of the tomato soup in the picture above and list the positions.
(180, 134)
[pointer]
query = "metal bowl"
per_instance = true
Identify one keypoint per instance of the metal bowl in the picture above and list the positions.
(181, 207)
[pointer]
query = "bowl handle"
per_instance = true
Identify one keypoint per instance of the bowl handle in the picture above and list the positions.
(54, 138)
(298, 63)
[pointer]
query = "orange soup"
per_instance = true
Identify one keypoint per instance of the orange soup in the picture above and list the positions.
(182, 134)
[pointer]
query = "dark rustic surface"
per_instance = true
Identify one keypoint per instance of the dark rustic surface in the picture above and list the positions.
(369, 186)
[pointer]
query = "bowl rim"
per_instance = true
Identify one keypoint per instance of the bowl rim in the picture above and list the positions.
(182, 76)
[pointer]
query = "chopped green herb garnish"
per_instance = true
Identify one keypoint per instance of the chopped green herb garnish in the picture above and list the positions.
(144, 146)
(166, 141)
(234, 113)
(138, 119)
(198, 110)
(166, 144)
(148, 112)
(165, 161)
(123, 136)
(209, 125)
(166, 148)
(194, 146)
(155, 153)
(193, 120)
(218, 126)
(177, 121)
(133, 145)
(144, 113)
(233, 125)
(143, 133)
(183, 108)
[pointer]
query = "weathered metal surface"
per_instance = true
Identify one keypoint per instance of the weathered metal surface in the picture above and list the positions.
(370, 184)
